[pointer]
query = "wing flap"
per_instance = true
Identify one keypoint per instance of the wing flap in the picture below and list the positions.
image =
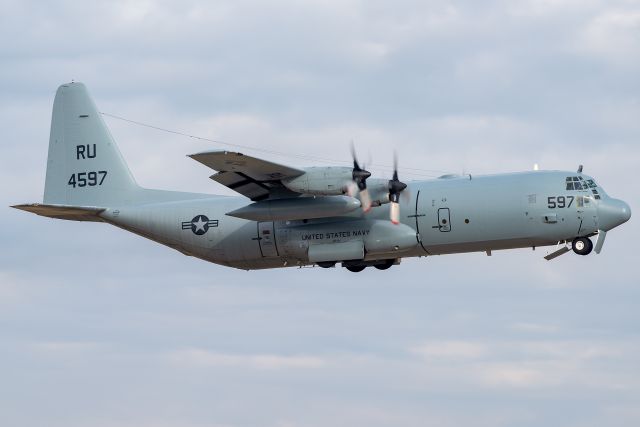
(244, 185)
(254, 178)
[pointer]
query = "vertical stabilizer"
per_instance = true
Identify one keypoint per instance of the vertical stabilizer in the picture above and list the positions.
(84, 166)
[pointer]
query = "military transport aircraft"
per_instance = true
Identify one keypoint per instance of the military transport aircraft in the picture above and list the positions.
(316, 215)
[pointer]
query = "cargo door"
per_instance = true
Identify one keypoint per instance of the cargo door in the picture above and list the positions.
(267, 240)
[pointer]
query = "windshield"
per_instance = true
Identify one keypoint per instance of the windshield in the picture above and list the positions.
(584, 184)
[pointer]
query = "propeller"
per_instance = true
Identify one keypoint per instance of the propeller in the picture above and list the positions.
(360, 175)
(395, 188)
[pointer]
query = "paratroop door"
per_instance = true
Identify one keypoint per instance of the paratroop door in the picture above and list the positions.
(267, 239)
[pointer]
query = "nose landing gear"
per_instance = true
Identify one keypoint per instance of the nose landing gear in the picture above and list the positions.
(582, 245)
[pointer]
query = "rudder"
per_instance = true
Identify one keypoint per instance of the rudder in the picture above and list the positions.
(84, 165)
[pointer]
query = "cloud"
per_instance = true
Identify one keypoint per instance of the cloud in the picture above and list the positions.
(104, 328)
(519, 363)
(512, 375)
(613, 35)
(533, 327)
(451, 350)
(204, 358)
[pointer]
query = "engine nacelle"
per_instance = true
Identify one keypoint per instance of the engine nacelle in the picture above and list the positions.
(321, 181)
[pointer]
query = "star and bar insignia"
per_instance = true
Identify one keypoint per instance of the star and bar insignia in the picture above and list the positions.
(199, 224)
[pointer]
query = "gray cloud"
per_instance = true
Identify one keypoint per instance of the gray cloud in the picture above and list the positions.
(104, 328)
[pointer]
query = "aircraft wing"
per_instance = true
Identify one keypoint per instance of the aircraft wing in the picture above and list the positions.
(254, 178)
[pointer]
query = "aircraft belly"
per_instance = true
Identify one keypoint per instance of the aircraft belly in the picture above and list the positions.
(379, 239)
(201, 229)
(196, 228)
(488, 245)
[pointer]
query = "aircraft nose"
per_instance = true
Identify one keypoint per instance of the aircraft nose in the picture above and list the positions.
(612, 213)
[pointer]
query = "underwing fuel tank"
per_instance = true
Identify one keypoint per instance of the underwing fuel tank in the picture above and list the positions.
(298, 208)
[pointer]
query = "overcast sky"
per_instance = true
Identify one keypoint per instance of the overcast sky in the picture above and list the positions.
(100, 327)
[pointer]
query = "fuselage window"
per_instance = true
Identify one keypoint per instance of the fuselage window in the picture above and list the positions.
(582, 201)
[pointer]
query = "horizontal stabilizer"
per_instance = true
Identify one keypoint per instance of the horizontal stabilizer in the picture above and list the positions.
(72, 213)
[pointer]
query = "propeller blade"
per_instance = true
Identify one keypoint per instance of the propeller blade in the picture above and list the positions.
(600, 240)
(395, 164)
(396, 187)
(351, 189)
(394, 212)
(359, 176)
(365, 200)
(406, 196)
(353, 152)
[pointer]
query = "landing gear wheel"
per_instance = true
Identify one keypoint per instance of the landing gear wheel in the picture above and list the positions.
(582, 245)
(326, 264)
(385, 265)
(355, 268)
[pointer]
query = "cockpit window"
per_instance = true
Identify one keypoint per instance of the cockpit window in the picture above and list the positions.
(573, 183)
(579, 183)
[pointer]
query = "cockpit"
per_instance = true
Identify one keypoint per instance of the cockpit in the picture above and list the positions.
(579, 183)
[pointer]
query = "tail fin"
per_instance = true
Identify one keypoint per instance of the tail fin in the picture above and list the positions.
(84, 167)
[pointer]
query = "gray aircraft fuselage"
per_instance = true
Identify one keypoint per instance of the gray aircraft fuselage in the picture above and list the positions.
(442, 216)
(294, 217)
